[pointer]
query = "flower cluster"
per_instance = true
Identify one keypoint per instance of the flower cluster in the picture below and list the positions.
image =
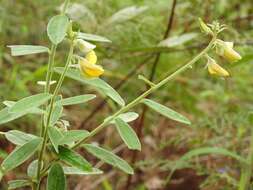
(223, 49)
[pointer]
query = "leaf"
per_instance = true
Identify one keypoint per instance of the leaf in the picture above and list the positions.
(165, 111)
(76, 171)
(56, 114)
(73, 136)
(76, 100)
(74, 159)
(32, 111)
(32, 169)
(56, 178)
(96, 82)
(109, 158)
(127, 117)
(57, 28)
(126, 14)
(206, 150)
(92, 37)
(19, 137)
(128, 135)
(17, 50)
(30, 102)
(21, 154)
(177, 40)
(15, 184)
(55, 136)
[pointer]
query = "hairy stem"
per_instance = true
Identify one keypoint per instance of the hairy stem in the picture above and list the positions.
(145, 94)
(50, 109)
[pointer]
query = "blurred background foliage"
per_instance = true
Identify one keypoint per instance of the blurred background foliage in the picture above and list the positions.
(218, 108)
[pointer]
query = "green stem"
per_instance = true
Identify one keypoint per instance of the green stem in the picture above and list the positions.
(65, 6)
(51, 105)
(145, 94)
(246, 172)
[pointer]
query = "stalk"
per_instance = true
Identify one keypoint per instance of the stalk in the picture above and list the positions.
(148, 92)
(247, 170)
(51, 105)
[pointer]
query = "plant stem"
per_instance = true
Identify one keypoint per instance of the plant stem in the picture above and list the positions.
(246, 172)
(51, 105)
(65, 6)
(145, 94)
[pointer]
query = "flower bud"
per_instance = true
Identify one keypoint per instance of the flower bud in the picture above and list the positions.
(91, 57)
(204, 28)
(226, 50)
(90, 70)
(84, 46)
(215, 69)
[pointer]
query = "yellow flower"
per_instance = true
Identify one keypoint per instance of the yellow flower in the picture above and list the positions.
(215, 69)
(91, 57)
(90, 70)
(226, 50)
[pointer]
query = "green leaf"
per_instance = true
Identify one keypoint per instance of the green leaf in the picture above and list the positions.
(74, 159)
(92, 37)
(76, 100)
(17, 50)
(30, 102)
(126, 14)
(73, 136)
(128, 135)
(96, 82)
(19, 137)
(21, 154)
(55, 136)
(165, 111)
(57, 28)
(76, 171)
(127, 117)
(206, 150)
(56, 179)
(32, 169)
(109, 158)
(56, 114)
(32, 111)
(15, 184)
(177, 40)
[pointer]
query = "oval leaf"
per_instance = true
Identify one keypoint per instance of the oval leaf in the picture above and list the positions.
(127, 117)
(55, 136)
(128, 135)
(57, 28)
(109, 158)
(56, 179)
(74, 159)
(76, 99)
(17, 50)
(32, 169)
(21, 154)
(165, 111)
(30, 102)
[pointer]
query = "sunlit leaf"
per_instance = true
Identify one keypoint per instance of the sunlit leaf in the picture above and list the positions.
(32, 169)
(177, 40)
(17, 184)
(76, 171)
(76, 99)
(73, 136)
(127, 117)
(19, 137)
(55, 136)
